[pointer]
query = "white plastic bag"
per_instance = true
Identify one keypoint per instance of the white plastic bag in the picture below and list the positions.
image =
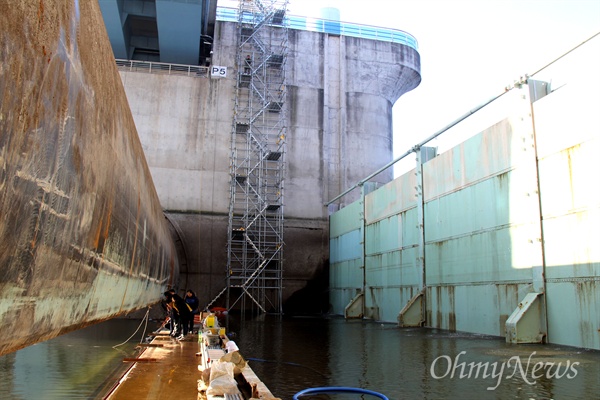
(221, 379)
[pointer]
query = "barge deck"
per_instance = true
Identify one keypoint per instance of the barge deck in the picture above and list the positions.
(169, 368)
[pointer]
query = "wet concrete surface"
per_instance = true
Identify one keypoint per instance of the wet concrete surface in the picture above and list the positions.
(166, 372)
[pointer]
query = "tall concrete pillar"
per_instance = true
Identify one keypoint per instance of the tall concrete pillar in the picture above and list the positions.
(340, 95)
(342, 92)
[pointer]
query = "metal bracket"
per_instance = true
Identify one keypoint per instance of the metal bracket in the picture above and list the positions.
(412, 313)
(527, 323)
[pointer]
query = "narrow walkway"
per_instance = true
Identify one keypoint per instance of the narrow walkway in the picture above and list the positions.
(166, 372)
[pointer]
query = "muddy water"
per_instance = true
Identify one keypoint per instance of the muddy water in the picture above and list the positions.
(298, 353)
(77, 365)
(292, 354)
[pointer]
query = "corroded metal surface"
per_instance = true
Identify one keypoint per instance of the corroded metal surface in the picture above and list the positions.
(82, 235)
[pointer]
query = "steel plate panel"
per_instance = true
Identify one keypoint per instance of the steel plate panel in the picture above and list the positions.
(345, 220)
(393, 198)
(576, 254)
(498, 148)
(574, 313)
(491, 256)
(570, 179)
(503, 200)
(345, 247)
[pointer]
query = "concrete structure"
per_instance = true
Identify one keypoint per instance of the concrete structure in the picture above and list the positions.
(341, 90)
(498, 235)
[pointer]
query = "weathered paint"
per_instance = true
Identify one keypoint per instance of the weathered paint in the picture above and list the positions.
(82, 235)
(568, 149)
(513, 210)
(345, 257)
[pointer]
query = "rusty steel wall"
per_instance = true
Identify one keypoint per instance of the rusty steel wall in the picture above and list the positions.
(512, 211)
(82, 235)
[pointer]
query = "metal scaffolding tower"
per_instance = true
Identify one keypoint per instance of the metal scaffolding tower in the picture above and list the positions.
(255, 242)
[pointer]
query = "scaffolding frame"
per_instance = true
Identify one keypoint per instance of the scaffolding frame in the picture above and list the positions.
(257, 161)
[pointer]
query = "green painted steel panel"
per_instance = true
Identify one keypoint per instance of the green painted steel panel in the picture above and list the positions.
(502, 146)
(345, 247)
(475, 308)
(491, 256)
(345, 220)
(347, 274)
(345, 282)
(391, 199)
(485, 216)
(506, 199)
(382, 269)
(568, 149)
(382, 236)
(569, 179)
(574, 312)
(572, 245)
(345, 256)
(393, 233)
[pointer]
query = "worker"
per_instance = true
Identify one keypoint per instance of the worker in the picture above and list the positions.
(248, 65)
(182, 314)
(192, 301)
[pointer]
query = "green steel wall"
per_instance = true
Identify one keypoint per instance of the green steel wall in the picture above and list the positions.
(345, 279)
(482, 225)
(392, 274)
(568, 143)
(514, 209)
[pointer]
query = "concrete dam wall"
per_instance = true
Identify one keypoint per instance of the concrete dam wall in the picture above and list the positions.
(340, 94)
(83, 237)
(498, 235)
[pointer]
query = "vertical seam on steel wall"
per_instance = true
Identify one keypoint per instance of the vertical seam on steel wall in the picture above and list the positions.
(539, 199)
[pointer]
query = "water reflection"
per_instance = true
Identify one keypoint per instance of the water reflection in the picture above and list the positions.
(292, 354)
(77, 365)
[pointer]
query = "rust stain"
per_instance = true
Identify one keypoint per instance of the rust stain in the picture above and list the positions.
(41, 14)
(502, 323)
(452, 311)
(107, 223)
(570, 152)
(70, 154)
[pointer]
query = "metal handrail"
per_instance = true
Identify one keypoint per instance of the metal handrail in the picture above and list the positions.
(333, 27)
(338, 389)
(152, 67)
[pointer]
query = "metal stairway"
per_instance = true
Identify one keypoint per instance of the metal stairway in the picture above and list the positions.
(257, 161)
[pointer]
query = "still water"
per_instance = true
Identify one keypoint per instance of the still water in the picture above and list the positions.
(77, 365)
(416, 363)
(292, 354)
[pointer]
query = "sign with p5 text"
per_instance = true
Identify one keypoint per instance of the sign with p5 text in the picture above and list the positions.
(218, 72)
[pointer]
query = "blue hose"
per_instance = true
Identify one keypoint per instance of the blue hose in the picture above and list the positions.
(340, 389)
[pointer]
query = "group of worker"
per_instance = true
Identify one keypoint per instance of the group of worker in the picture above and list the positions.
(181, 312)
